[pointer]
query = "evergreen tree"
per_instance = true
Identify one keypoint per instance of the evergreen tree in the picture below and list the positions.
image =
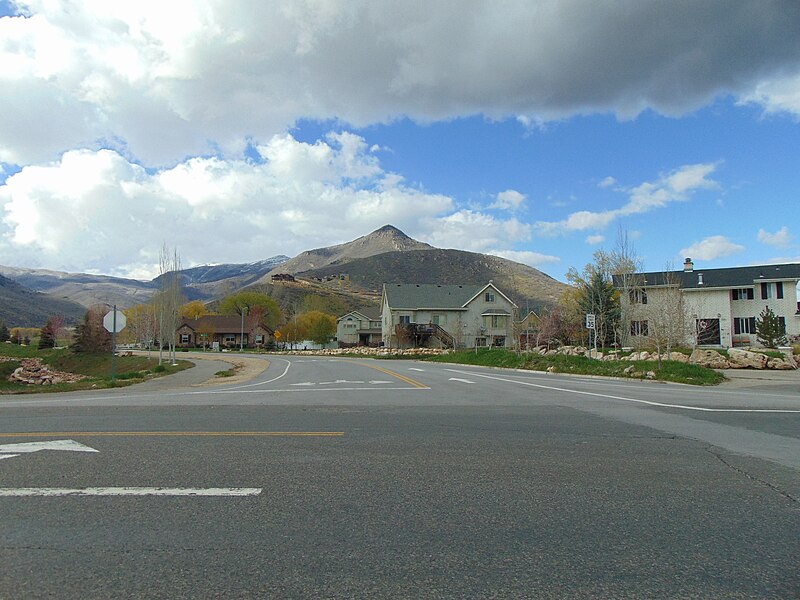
(91, 336)
(47, 336)
(5, 334)
(598, 297)
(770, 331)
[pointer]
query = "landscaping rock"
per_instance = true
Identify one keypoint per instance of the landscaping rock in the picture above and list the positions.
(780, 364)
(709, 358)
(744, 359)
(32, 372)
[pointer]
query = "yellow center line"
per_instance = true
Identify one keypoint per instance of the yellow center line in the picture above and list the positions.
(175, 433)
(408, 380)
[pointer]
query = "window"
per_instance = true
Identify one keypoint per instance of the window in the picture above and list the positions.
(436, 319)
(782, 321)
(259, 338)
(638, 296)
(766, 291)
(489, 297)
(184, 338)
(230, 338)
(744, 325)
(480, 342)
(495, 321)
(779, 290)
(405, 319)
(742, 294)
(499, 341)
(639, 328)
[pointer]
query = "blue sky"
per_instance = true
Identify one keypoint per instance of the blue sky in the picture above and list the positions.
(537, 132)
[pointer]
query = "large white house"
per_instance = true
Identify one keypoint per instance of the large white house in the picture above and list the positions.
(451, 316)
(719, 306)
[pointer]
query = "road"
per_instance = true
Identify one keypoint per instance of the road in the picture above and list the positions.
(344, 478)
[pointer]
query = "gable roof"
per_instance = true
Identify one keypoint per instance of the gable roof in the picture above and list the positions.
(732, 277)
(368, 314)
(221, 324)
(415, 296)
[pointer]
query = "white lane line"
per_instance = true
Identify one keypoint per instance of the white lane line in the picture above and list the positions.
(461, 380)
(27, 447)
(415, 369)
(249, 385)
(128, 491)
(635, 400)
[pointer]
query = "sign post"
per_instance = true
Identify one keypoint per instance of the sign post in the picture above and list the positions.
(590, 324)
(114, 322)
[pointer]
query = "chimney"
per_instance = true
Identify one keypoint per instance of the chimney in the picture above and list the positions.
(688, 265)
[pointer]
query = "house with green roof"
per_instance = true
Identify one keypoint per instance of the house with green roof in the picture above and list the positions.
(717, 307)
(446, 316)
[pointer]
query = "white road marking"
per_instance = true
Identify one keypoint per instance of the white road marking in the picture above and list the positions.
(415, 369)
(12, 450)
(375, 382)
(635, 400)
(461, 380)
(129, 491)
(304, 383)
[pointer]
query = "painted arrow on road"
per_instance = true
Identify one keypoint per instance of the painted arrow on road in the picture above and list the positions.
(12, 450)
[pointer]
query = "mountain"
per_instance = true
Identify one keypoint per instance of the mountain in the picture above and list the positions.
(386, 239)
(336, 277)
(22, 307)
(527, 287)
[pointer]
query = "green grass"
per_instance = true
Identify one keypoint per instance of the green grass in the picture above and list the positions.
(672, 371)
(96, 367)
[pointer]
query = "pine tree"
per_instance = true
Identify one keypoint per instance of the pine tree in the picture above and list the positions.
(47, 336)
(770, 331)
(5, 334)
(91, 336)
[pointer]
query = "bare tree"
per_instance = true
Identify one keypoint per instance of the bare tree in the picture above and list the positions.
(625, 266)
(666, 319)
(168, 300)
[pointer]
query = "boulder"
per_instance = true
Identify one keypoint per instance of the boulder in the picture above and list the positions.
(744, 359)
(709, 358)
(780, 364)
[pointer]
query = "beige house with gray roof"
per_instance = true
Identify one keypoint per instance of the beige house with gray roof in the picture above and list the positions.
(446, 316)
(359, 328)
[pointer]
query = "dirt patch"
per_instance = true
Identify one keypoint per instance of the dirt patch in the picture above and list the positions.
(245, 368)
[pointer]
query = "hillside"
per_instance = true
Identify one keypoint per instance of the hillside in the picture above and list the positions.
(526, 286)
(386, 239)
(22, 307)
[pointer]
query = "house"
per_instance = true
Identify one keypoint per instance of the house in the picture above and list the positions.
(359, 328)
(282, 277)
(718, 307)
(449, 316)
(226, 330)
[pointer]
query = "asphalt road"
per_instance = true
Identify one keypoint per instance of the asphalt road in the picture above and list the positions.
(335, 478)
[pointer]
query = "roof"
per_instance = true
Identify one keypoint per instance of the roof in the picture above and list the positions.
(368, 314)
(220, 323)
(429, 295)
(732, 277)
(415, 296)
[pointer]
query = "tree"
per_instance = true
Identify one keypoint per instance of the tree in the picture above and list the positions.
(317, 326)
(597, 296)
(291, 333)
(90, 335)
(5, 334)
(666, 319)
(47, 335)
(267, 307)
(770, 329)
(205, 333)
(168, 300)
(194, 310)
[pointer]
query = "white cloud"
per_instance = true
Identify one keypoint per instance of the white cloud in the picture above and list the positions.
(532, 259)
(593, 240)
(676, 186)
(96, 211)
(716, 246)
(509, 200)
(607, 182)
(191, 77)
(781, 238)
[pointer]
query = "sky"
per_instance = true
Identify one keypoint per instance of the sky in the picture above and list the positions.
(539, 131)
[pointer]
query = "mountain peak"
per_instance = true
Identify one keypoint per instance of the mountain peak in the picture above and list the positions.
(391, 229)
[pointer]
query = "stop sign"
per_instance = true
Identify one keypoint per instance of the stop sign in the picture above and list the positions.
(114, 325)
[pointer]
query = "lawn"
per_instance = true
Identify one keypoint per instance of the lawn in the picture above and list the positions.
(96, 368)
(673, 371)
